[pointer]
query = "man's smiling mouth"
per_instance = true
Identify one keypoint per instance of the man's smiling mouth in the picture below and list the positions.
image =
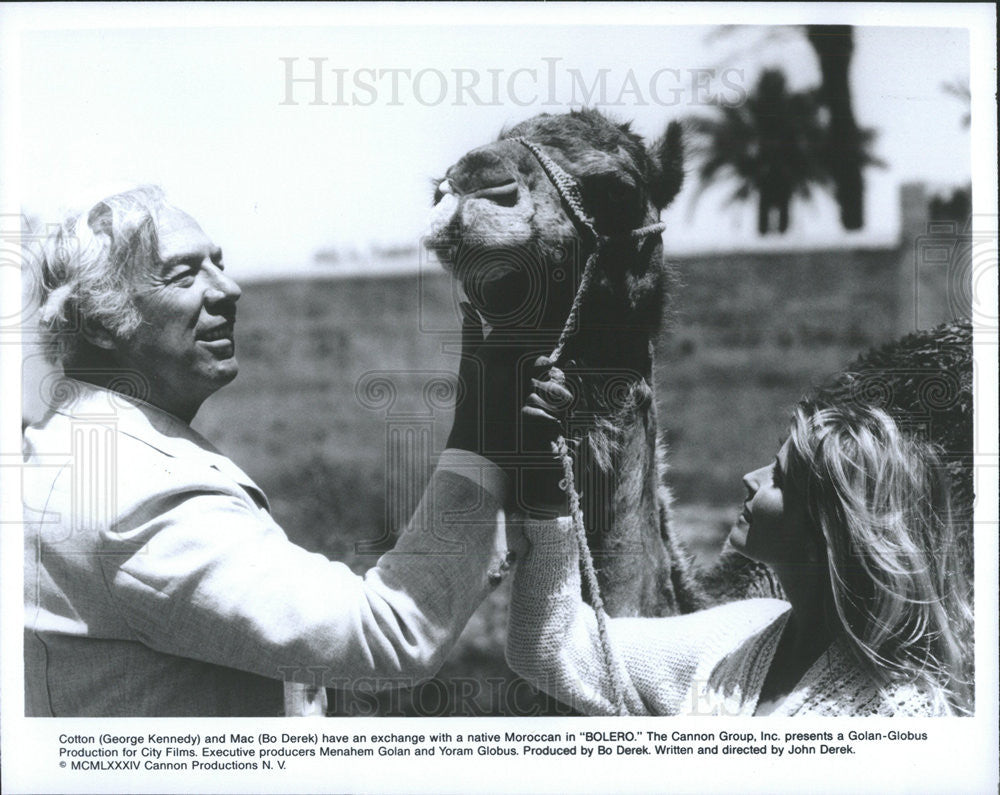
(223, 332)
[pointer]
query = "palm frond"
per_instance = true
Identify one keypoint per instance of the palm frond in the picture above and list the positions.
(777, 143)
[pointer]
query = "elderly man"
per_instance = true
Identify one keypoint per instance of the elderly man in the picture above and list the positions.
(156, 581)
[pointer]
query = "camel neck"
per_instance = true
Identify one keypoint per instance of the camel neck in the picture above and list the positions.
(623, 508)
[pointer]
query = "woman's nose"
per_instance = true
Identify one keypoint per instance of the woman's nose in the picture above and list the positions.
(752, 480)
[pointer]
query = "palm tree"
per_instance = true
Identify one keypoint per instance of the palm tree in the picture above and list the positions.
(847, 147)
(771, 146)
(845, 151)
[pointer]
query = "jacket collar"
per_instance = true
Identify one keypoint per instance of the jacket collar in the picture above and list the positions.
(150, 425)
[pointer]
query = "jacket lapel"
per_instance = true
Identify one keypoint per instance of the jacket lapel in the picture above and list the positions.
(156, 428)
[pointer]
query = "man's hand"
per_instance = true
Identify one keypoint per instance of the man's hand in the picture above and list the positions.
(490, 392)
(510, 409)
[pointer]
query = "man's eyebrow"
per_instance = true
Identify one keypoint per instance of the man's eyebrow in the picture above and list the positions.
(192, 258)
(181, 259)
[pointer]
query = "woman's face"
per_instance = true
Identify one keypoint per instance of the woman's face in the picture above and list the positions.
(772, 527)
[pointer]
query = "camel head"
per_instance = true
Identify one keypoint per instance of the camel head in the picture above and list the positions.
(503, 230)
(509, 236)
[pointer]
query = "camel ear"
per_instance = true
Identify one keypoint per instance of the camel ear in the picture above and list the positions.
(668, 156)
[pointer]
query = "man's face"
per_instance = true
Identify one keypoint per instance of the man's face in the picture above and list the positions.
(184, 346)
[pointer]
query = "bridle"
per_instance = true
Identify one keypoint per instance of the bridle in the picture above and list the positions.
(569, 191)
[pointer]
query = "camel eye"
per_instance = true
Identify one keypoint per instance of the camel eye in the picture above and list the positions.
(614, 200)
(609, 188)
(618, 192)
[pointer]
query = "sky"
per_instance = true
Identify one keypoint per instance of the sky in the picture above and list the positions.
(208, 112)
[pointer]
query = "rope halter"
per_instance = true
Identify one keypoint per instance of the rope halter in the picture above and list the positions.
(569, 191)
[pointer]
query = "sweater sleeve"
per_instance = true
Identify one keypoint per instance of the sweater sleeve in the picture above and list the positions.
(200, 574)
(663, 664)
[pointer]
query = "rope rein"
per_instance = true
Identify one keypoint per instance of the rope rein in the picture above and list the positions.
(569, 191)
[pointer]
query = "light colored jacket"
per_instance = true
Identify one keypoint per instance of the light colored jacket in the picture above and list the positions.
(157, 583)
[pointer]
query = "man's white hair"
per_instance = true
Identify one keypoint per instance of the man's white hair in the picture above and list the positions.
(88, 266)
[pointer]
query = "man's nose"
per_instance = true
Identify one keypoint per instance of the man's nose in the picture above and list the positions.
(223, 287)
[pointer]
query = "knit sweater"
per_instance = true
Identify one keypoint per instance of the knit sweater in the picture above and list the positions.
(712, 662)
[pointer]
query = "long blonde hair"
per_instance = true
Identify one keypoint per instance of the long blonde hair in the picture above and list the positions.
(880, 499)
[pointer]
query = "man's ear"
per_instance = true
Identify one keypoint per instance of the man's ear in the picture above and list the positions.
(97, 335)
(668, 156)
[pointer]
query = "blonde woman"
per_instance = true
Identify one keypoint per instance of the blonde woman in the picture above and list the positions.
(853, 518)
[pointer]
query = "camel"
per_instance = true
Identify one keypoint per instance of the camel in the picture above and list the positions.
(505, 229)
